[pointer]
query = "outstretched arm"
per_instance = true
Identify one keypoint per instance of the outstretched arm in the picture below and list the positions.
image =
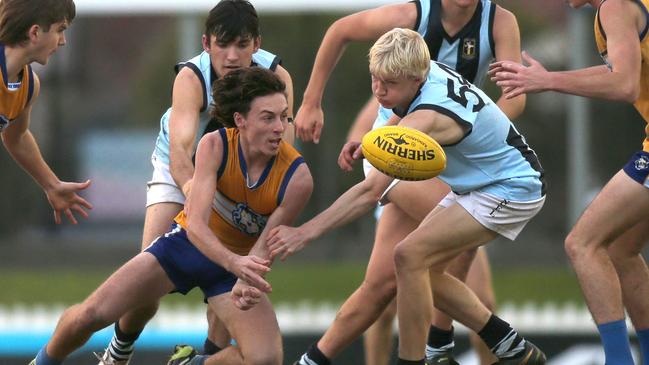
(22, 146)
(284, 241)
(367, 25)
(621, 83)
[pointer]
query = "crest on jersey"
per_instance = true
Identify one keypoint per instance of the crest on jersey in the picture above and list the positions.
(641, 163)
(4, 121)
(247, 220)
(469, 48)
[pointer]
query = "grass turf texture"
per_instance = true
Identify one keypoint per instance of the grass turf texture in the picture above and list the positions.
(320, 282)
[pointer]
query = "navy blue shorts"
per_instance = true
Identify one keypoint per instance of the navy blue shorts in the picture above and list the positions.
(187, 267)
(638, 168)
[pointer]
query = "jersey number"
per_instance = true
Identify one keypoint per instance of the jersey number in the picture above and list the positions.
(465, 87)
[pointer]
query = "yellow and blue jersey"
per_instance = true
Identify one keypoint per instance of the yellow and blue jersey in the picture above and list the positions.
(14, 97)
(642, 104)
(239, 210)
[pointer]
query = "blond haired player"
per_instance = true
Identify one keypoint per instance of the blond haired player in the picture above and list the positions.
(604, 246)
(497, 184)
(31, 31)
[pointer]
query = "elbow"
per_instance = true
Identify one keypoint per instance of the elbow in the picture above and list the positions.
(370, 194)
(631, 92)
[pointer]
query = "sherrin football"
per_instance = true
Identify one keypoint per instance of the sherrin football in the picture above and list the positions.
(403, 153)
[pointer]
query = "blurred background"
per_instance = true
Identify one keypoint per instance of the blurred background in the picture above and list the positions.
(97, 118)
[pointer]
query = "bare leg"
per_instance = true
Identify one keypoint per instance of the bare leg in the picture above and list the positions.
(367, 303)
(625, 253)
(256, 331)
(479, 280)
(622, 204)
(216, 331)
(437, 241)
(157, 221)
(379, 338)
(112, 299)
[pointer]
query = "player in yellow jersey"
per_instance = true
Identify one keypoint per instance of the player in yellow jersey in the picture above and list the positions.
(247, 181)
(31, 31)
(604, 246)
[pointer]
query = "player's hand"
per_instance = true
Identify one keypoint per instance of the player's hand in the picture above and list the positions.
(251, 270)
(187, 187)
(284, 241)
(516, 78)
(245, 296)
(64, 200)
(350, 152)
(309, 121)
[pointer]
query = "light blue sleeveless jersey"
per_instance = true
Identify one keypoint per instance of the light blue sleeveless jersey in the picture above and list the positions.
(202, 67)
(469, 52)
(492, 157)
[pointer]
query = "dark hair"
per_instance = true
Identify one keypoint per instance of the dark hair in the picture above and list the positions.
(235, 92)
(230, 19)
(17, 16)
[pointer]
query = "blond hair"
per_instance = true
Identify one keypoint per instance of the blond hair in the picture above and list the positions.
(400, 52)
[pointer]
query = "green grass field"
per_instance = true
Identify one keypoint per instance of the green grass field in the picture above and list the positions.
(291, 283)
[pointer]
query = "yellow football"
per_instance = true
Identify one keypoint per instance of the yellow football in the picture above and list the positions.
(403, 153)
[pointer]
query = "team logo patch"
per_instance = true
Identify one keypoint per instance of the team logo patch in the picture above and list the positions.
(247, 220)
(4, 121)
(468, 48)
(641, 163)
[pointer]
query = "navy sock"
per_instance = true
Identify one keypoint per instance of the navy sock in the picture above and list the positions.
(315, 355)
(198, 360)
(401, 361)
(501, 338)
(210, 348)
(615, 340)
(439, 338)
(643, 341)
(43, 359)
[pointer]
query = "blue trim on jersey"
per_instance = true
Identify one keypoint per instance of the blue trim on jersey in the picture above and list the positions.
(198, 73)
(287, 177)
(3, 65)
(418, 20)
(30, 92)
(492, 16)
(646, 15)
(224, 160)
(449, 113)
(244, 168)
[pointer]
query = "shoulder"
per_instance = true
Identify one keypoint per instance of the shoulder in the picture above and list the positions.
(504, 21)
(283, 74)
(301, 184)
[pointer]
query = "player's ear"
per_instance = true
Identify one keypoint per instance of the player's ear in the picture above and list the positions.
(256, 43)
(33, 32)
(239, 120)
(205, 40)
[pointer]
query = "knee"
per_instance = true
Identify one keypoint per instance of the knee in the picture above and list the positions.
(87, 317)
(269, 357)
(406, 257)
(575, 246)
(382, 289)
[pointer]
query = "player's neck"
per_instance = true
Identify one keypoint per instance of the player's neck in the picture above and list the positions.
(16, 58)
(454, 17)
(256, 161)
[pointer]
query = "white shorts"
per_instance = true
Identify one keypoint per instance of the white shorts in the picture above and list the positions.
(162, 187)
(503, 216)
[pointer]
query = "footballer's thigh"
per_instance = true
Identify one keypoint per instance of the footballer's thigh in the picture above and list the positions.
(138, 282)
(620, 205)
(255, 330)
(158, 220)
